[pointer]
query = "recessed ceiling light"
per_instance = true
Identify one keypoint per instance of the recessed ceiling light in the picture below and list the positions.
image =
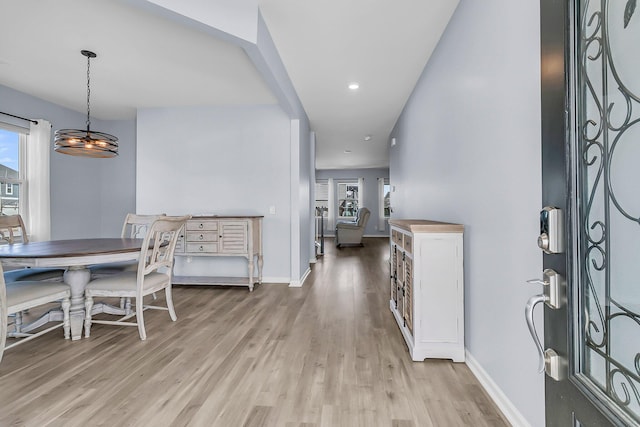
(367, 138)
(347, 151)
(354, 85)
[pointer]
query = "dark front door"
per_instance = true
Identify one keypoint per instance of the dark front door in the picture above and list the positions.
(590, 52)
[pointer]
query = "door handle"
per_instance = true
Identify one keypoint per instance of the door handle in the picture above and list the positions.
(554, 296)
(528, 313)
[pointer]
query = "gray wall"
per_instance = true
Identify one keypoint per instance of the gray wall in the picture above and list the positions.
(468, 151)
(304, 185)
(89, 197)
(370, 196)
(219, 160)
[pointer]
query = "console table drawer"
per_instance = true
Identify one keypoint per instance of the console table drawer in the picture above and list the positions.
(202, 225)
(205, 248)
(205, 236)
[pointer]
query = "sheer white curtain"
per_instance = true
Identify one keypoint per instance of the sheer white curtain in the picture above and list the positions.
(361, 193)
(381, 222)
(37, 177)
(331, 219)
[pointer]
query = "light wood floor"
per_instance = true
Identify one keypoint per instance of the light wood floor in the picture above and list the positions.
(326, 354)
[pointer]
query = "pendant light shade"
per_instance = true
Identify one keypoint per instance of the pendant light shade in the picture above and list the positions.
(86, 143)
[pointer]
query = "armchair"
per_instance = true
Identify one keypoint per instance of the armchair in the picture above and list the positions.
(350, 233)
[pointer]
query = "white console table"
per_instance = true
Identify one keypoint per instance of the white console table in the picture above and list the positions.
(212, 236)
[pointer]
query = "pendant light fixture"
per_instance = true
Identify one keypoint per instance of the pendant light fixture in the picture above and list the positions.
(86, 143)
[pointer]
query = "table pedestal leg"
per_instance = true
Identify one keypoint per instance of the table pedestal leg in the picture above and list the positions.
(77, 278)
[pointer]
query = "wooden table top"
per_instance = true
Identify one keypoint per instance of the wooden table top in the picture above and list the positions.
(70, 248)
(427, 226)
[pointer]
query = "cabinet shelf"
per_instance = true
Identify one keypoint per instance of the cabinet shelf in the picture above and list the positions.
(210, 280)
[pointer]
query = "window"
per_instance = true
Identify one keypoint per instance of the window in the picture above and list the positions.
(387, 198)
(24, 166)
(322, 198)
(384, 203)
(348, 199)
(12, 198)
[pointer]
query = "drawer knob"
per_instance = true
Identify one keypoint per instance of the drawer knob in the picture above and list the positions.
(201, 248)
(201, 225)
(201, 237)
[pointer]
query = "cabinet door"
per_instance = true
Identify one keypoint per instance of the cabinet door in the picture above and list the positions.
(400, 280)
(233, 237)
(439, 289)
(394, 275)
(408, 294)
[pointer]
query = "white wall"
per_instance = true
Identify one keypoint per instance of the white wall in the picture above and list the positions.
(89, 197)
(468, 151)
(227, 161)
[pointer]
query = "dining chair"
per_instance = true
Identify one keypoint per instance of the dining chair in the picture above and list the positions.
(135, 226)
(154, 273)
(17, 297)
(12, 231)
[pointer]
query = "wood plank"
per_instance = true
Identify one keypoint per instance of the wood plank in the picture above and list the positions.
(326, 354)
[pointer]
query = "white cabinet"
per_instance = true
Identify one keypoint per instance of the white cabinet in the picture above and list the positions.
(427, 287)
(223, 236)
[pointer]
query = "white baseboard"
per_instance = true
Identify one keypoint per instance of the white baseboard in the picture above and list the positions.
(277, 280)
(509, 411)
(299, 283)
(313, 260)
(386, 236)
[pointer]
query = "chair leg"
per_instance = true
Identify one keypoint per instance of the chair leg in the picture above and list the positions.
(3, 330)
(140, 318)
(17, 323)
(127, 306)
(88, 305)
(66, 321)
(169, 298)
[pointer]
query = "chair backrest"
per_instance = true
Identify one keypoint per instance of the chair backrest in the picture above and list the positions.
(363, 217)
(12, 229)
(159, 246)
(136, 226)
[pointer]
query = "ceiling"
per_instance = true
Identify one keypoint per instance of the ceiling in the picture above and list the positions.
(146, 60)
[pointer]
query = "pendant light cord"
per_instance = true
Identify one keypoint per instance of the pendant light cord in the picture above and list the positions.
(88, 92)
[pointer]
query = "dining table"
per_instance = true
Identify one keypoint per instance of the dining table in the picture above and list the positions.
(75, 256)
